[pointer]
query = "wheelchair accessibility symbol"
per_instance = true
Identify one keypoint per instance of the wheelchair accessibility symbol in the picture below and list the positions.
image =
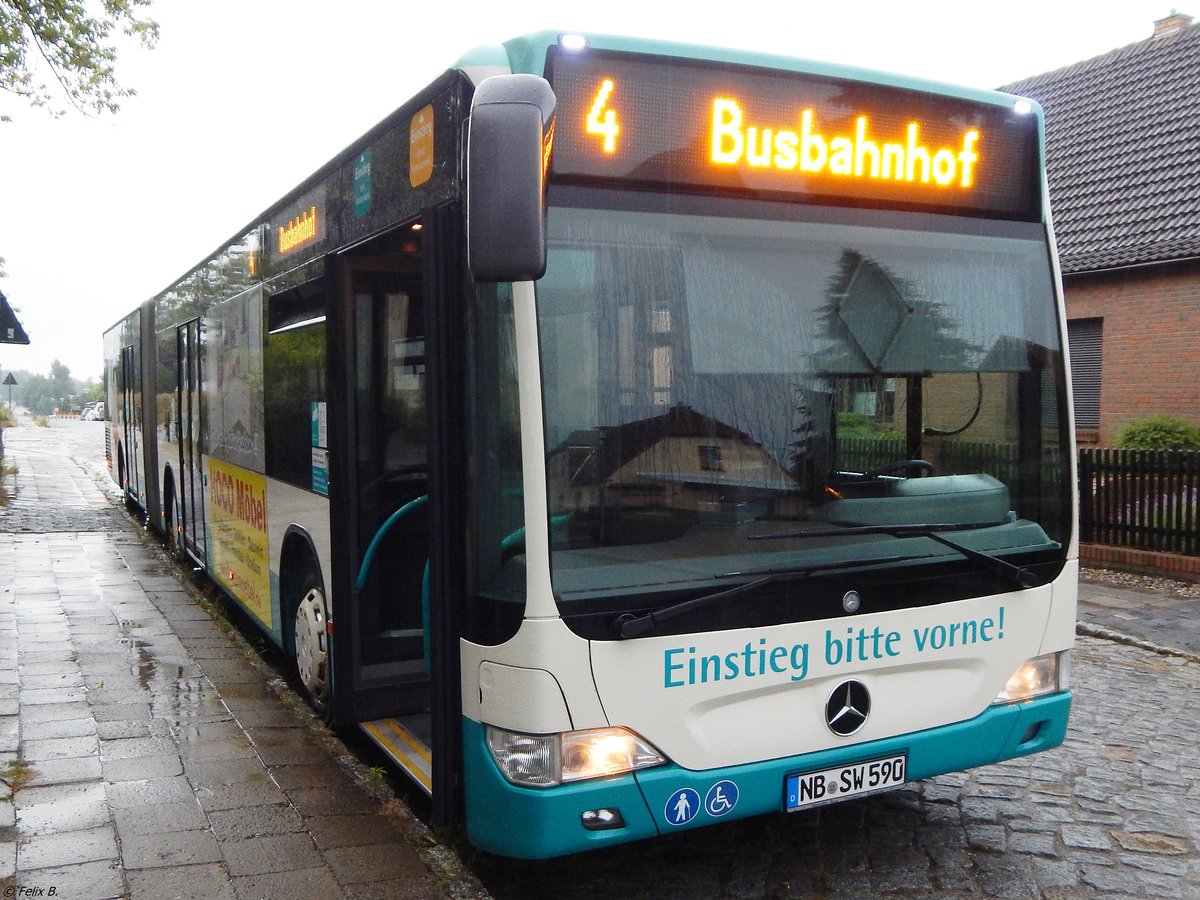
(721, 798)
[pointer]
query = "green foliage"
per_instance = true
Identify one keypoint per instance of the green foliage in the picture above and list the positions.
(40, 394)
(1159, 433)
(858, 425)
(60, 379)
(70, 44)
(7, 419)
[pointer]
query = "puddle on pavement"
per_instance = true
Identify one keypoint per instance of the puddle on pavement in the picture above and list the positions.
(178, 691)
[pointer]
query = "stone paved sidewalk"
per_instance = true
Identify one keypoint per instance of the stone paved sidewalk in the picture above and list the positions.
(1158, 617)
(143, 754)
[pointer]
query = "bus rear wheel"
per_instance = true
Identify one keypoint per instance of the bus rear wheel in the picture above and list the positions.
(312, 643)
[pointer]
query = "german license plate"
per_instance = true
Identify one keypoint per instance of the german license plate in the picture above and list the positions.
(841, 782)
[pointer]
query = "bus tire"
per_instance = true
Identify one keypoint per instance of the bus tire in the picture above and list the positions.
(130, 506)
(311, 633)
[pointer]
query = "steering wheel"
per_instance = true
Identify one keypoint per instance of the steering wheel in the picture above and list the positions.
(393, 477)
(901, 466)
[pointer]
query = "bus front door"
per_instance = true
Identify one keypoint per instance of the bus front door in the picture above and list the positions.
(390, 508)
(381, 336)
(392, 465)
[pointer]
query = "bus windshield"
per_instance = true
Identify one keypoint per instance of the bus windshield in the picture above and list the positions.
(783, 389)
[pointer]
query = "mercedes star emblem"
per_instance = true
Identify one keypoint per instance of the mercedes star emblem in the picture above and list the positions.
(847, 708)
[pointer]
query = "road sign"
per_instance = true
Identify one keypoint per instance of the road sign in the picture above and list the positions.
(11, 331)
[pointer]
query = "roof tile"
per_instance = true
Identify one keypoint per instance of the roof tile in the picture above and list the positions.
(1123, 153)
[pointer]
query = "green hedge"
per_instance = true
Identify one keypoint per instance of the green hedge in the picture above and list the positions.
(1158, 433)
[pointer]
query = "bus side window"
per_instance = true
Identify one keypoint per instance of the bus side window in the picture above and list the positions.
(295, 381)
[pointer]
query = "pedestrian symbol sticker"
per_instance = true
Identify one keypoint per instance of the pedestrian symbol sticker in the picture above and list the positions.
(682, 806)
(721, 798)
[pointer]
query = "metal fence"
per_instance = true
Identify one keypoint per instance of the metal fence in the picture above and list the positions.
(864, 454)
(1146, 499)
(997, 458)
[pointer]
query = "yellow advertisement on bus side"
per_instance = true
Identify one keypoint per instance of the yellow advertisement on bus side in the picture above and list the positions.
(238, 536)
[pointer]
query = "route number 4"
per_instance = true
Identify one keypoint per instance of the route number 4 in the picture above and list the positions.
(603, 121)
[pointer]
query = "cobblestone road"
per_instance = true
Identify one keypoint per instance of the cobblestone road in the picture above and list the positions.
(1114, 812)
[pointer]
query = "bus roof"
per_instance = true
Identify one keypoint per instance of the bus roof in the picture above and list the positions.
(527, 54)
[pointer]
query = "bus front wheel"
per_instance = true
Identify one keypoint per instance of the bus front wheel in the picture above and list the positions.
(312, 643)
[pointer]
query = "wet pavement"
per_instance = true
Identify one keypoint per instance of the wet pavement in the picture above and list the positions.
(1157, 618)
(146, 753)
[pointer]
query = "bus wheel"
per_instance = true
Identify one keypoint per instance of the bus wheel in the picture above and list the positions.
(312, 643)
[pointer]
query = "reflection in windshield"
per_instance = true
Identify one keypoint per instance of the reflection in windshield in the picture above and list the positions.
(709, 380)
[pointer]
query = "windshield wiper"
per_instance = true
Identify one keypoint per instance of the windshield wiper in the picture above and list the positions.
(851, 530)
(631, 626)
(1013, 573)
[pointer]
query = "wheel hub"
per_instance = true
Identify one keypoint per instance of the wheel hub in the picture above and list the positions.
(312, 644)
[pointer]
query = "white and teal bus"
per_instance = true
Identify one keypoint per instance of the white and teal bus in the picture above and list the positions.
(632, 437)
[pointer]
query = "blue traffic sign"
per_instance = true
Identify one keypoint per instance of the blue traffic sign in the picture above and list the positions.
(721, 798)
(682, 806)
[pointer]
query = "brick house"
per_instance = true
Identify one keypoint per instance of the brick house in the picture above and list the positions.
(1123, 154)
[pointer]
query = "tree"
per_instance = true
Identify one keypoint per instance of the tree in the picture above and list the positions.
(70, 44)
(41, 393)
(37, 394)
(62, 383)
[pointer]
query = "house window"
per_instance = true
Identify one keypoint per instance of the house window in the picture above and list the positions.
(660, 359)
(710, 458)
(1084, 338)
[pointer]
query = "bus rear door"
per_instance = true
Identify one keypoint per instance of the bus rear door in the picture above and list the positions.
(131, 419)
(191, 473)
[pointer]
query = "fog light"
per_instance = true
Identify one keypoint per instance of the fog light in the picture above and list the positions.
(1031, 732)
(1035, 678)
(602, 819)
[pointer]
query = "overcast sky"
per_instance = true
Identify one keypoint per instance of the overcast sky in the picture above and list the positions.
(242, 99)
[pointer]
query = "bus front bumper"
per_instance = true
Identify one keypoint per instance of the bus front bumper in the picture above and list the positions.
(538, 823)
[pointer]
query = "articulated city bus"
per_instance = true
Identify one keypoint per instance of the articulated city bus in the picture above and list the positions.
(631, 437)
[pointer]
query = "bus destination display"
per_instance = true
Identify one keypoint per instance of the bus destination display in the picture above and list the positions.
(696, 124)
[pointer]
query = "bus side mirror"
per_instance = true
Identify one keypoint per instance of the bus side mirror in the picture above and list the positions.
(508, 143)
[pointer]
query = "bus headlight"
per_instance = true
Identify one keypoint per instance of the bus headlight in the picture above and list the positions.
(1035, 677)
(543, 760)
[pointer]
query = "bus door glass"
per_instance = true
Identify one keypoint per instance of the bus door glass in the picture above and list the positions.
(391, 450)
(190, 464)
(131, 380)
